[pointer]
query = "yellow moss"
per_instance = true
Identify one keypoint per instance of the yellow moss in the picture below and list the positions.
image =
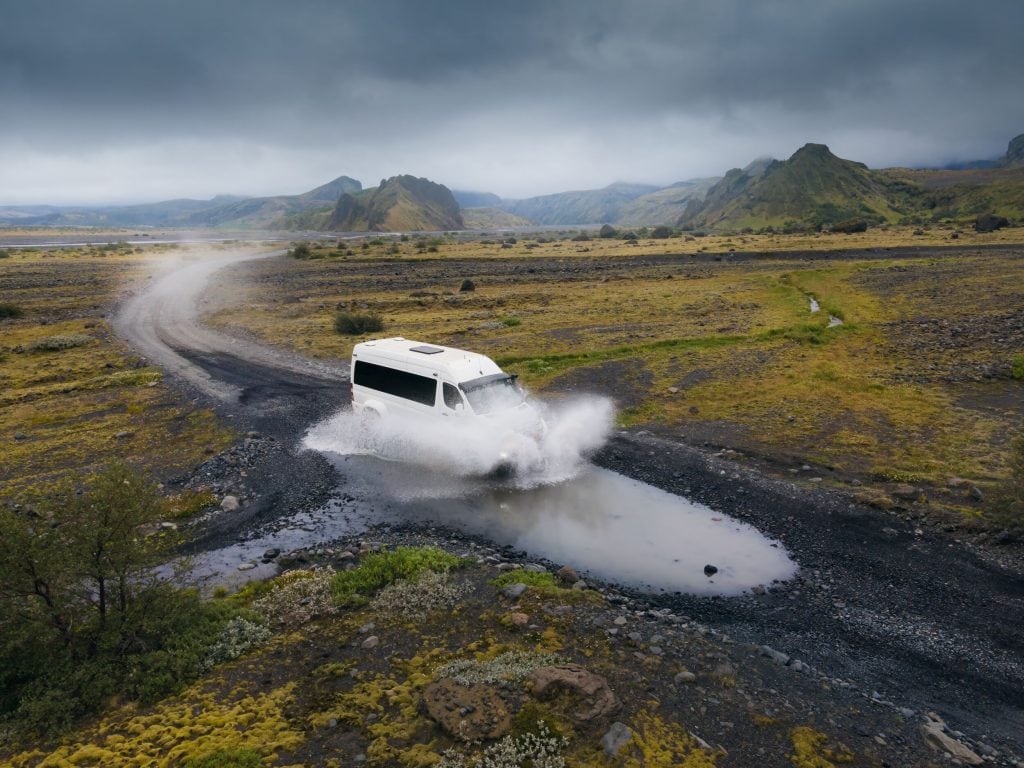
(400, 735)
(190, 725)
(660, 744)
(812, 749)
(549, 642)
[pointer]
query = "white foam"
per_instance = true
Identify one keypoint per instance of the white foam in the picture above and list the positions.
(471, 446)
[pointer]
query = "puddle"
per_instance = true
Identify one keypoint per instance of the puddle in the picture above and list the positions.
(603, 524)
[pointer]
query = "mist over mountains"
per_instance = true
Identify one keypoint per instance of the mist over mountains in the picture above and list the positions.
(812, 189)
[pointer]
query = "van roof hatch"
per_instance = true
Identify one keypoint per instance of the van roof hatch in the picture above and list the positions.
(426, 349)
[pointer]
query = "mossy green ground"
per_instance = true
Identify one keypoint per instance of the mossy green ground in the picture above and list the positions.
(74, 409)
(315, 696)
(720, 352)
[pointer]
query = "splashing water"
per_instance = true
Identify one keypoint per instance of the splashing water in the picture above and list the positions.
(516, 440)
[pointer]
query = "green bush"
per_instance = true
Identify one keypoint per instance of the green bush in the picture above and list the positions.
(10, 310)
(537, 579)
(354, 323)
(511, 321)
(378, 569)
(301, 251)
(1017, 367)
(92, 621)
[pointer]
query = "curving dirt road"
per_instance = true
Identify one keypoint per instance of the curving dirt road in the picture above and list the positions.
(913, 619)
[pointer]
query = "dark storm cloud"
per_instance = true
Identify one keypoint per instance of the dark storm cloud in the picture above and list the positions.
(475, 92)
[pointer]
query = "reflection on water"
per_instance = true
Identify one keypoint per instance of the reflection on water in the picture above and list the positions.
(603, 524)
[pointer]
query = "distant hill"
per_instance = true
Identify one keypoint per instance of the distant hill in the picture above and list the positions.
(401, 203)
(664, 206)
(278, 212)
(590, 206)
(492, 218)
(475, 199)
(811, 189)
(220, 212)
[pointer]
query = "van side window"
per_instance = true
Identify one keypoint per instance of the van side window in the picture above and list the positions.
(452, 398)
(390, 381)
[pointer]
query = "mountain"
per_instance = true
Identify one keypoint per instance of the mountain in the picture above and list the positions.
(589, 206)
(401, 203)
(476, 199)
(811, 189)
(220, 212)
(492, 218)
(1014, 157)
(663, 206)
(277, 212)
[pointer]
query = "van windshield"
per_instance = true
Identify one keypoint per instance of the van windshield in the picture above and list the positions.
(492, 393)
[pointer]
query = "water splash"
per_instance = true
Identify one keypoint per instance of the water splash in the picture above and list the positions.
(475, 447)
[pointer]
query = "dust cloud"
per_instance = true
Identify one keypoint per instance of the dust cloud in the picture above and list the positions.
(516, 441)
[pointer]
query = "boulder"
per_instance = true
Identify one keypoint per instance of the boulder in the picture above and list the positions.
(229, 504)
(597, 698)
(617, 737)
(467, 712)
(935, 737)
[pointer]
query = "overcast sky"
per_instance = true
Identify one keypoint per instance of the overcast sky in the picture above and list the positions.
(129, 100)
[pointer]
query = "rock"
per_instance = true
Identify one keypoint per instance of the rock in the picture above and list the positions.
(366, 628)
(957, 482)
(518, 619)
(777, 656)
(514, 591)
(19, 436)
(467, 712)
(619, 620)
(598, 698)
(673, 390)
(467, 286)
(686, 676)
(617, 737)
(253, 435)
(580, 585)
(534, 568)
(246, 566)
(371, 642)
(990, 222)
(710, 570)
(229, 504)
(725, 669)
(271, 554)
(935, 737)
(123, 435)
(906, 492)
(975, 493)
(567, 574)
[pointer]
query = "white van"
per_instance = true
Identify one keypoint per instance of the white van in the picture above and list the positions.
(398, 377)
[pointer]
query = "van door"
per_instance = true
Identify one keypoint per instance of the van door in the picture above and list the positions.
(454, 405)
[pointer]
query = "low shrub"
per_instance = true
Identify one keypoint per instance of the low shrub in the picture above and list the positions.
(850, 226)
(511, 321)
(661, 233)
(297, 597)
(300, 251)
(354, 323)
(1017, 367)
(238, 637)
(378, 569)
(511, 665)
(990, 222)
(415, 599)
(60, 342)
(10, 310)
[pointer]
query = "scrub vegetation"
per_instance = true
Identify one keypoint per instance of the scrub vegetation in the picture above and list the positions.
(907, 374)
(72, 396)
